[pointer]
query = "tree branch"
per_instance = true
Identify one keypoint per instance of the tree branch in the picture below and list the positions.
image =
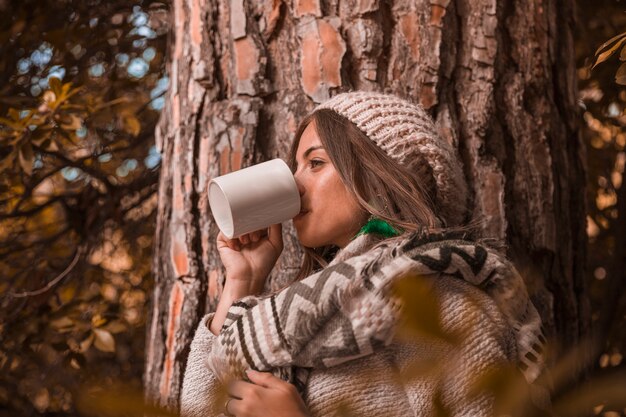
(56, 280)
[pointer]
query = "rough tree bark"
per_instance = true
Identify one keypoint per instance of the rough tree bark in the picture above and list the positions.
(497, 75)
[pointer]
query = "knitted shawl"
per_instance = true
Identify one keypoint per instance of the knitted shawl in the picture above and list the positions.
(348, 310)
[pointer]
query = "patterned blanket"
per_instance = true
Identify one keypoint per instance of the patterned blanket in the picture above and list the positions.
(348, 310)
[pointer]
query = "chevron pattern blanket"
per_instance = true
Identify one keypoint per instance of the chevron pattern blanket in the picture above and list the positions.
(347, 310)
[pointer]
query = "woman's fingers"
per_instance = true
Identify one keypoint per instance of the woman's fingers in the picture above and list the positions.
(264, 379)
(238, 388)
(273, 233)
(276, 236)
(223, 241)
(233, 407)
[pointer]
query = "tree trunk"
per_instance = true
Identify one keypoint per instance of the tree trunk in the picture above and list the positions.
(497, 75)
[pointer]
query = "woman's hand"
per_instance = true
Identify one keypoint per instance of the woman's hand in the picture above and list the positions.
(266, 396)
(249, 259)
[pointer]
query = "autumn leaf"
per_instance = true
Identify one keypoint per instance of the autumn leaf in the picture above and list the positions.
(55, 85)
(607, 54)
(71, 122)
(131, 124)
(26, 157)
(609, 42)
(104, 340)
(62, 324)
(620, 76)
(420, 310)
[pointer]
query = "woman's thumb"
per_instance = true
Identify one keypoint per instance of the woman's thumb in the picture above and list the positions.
(275, 236)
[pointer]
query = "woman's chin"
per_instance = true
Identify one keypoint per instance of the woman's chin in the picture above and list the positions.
(307, 240)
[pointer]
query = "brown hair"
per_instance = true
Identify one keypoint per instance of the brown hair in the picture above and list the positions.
(382, 186)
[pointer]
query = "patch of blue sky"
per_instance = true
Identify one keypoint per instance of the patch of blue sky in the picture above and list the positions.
(149, 54)
(140, 43)
(96, 70)
(105, 157)
(81, 132)
(37, 163)
(71, 173)
(131, 164)
(139, 17)
(160, 87)
(42, 56)
(138, 68)
(153, 159)
(56, 71)
(122, 59)
(23, 65)
(157, 103)
(144, 31)
(127, 166)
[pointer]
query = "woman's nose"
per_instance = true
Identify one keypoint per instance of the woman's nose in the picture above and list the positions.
(299, 184)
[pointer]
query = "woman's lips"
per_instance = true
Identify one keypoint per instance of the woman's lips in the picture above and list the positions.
(301, 214)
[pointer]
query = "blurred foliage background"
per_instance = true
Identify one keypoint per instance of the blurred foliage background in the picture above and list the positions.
(601, 63)
(81, 86)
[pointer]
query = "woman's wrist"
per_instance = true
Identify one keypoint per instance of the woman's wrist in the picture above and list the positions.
(239, 288)
(234, 289)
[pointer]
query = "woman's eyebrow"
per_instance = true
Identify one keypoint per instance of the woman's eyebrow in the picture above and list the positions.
(311, 149)
(308, 151)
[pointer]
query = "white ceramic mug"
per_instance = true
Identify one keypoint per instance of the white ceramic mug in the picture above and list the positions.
(254, 198)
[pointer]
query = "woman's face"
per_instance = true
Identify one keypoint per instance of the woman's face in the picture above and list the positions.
(330, 214)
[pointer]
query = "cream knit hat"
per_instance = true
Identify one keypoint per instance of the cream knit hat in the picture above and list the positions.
(408, 135)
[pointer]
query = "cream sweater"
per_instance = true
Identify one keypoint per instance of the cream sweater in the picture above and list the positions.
(439, 374)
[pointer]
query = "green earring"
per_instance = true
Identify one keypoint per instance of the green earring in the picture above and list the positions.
(377, 226)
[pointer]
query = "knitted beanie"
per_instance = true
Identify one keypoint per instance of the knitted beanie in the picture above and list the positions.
(408, 135)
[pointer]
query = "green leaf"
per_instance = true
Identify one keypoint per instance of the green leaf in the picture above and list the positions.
(104, 340)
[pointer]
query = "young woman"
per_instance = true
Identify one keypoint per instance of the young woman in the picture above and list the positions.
(383, 202)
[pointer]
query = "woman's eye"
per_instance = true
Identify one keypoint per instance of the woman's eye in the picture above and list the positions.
(314, 162)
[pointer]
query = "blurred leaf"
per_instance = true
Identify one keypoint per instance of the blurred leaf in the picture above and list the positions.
(131, 124)
(116, 326)
(26, 158)
(508, 386)
(122, 401)
(62, 323)
(85, 344)
(609, 390)
(620, 76)
(71, 122)
(104, 341)
(420, 310)
(55, 85)
(607, 54)
(609, 42)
